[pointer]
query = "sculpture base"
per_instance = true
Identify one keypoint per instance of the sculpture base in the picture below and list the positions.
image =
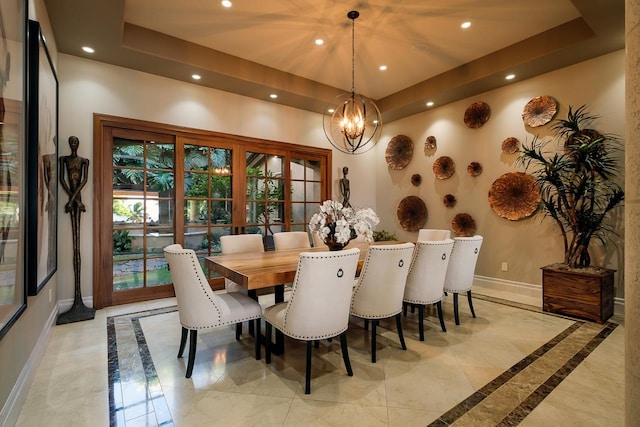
(77, 313)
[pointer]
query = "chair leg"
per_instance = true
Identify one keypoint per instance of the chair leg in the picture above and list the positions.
(192, 352)
(238, 330)
(345, 353)
(257, 339)
(399, 327)
(366, 324)
(307, 377)
(473, 313)
(316, 343)
(440, 316)
(267, 342)
(455, 308)
(183, 341)
(421, 321)
(374, 324)
(413, 308)
(404, 308)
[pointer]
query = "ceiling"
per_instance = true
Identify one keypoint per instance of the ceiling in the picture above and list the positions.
(257, 47)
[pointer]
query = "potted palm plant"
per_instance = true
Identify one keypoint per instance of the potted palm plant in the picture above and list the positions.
(579, 186)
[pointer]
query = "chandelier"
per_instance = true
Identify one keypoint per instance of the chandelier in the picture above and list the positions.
(352, 122)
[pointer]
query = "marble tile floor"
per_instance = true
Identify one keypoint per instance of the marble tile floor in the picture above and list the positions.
(511, 365)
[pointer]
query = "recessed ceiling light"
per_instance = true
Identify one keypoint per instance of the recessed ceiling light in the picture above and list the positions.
(226, 3)
(196, 76)
(383, 68)
(319, 42)
(331, 110)
(88, 49)
(510, 76)
(273, 96)
(430, 104)
(465, 25)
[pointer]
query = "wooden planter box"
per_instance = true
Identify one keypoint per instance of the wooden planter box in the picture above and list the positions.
(586, 295)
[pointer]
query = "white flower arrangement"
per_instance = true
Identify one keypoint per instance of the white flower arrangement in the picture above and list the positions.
(337, 223)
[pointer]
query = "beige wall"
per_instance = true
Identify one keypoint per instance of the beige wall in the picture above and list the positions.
(525, 245)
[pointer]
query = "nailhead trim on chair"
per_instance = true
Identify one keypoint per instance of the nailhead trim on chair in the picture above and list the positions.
(293, 294)
(199, 328)
(355, 292)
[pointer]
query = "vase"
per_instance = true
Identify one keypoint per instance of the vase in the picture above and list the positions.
(333, 245)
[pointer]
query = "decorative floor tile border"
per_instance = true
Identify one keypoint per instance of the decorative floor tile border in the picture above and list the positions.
(129, 360)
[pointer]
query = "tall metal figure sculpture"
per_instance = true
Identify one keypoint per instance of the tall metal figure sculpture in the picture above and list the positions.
(344, 188)
(73, 177)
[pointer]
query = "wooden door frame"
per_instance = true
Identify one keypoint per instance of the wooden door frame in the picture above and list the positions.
(102, 155)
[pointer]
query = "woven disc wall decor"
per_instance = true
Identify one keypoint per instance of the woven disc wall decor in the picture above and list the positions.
(539, 111)
(412, 213)
(510, 145)
(477, 114)
(474, 169)
(399, 152)
(463, 225)
(449, 200)
(430, 143)
(514, 196)
(416, 179)
(444, 167)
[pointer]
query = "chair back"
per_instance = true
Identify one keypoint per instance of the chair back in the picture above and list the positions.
(426, 234)
(198, 306)
(241, 243)
(462, 266)
(317, 240)
(321, 294)
(379, 290)
(291, 240)
(425, 281)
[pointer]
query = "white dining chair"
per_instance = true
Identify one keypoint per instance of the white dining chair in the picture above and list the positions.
(199, 308)
(462, 268)
(425, 281)
(379, 289)
(239, 243)
(317, 240)
(428, 234)
(291, 240)
(319, 304)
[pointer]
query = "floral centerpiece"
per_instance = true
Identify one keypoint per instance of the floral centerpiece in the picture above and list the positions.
(337, 225)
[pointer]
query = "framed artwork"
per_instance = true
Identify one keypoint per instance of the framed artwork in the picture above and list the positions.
(42, 162)
(13, 296)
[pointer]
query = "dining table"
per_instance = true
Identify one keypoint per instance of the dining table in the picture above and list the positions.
(271, 269)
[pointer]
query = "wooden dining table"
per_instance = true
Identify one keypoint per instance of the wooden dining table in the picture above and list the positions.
(272, 269)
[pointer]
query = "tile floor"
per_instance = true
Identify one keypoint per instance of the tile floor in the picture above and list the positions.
(511, 365)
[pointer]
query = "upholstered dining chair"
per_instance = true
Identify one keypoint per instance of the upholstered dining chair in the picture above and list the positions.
(425, 281)
(319, 304)
(317, 240)
(291, 240)
(427, 234)
(379, 289)
(239, 243)
(199, 308)
(461, 270)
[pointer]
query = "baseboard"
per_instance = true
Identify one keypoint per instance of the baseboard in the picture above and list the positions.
(11, 410)
(66, 304)
(532, 290)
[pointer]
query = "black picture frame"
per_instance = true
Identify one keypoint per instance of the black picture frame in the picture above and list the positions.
(42, 162)
(13, 110)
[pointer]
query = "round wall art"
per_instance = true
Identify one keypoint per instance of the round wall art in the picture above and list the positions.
(444, 167)
(510, 145)
(412, 213)
(399, 152)
(416, 179)
(463, 225)
(539, 111)
(449, 200)
(474, 169)
(477, 114)
(514, 196)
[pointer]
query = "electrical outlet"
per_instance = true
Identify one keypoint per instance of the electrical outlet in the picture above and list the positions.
(50, 295)
(505, 266)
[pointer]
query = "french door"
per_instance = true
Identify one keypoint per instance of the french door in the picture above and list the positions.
(156, 186)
